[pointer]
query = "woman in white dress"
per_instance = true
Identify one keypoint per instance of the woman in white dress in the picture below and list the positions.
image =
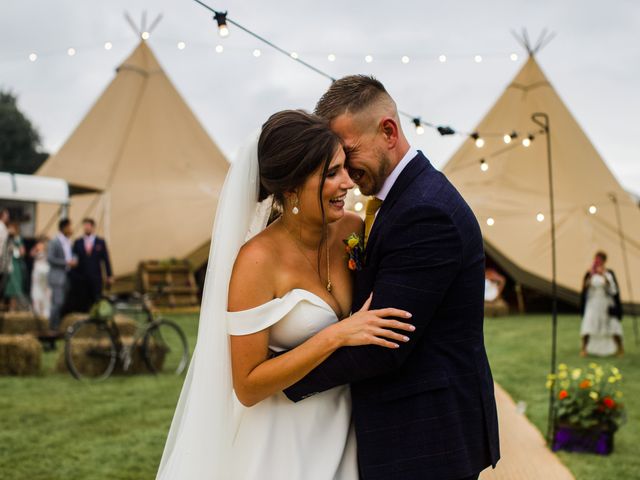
(283, 291)
(601, 330)
(40, 291)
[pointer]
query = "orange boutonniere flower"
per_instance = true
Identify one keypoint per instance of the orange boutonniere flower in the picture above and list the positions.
(355, 250)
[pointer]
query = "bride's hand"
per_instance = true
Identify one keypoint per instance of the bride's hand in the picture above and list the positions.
(372, 327)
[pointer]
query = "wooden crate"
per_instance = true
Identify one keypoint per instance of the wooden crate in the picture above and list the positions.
(171, 283)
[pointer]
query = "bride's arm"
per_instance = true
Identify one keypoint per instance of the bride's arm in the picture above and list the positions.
(255, 375)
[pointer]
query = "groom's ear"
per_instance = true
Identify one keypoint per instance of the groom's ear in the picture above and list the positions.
(389, 129)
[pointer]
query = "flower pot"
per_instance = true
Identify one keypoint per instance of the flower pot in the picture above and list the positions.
(598, 440)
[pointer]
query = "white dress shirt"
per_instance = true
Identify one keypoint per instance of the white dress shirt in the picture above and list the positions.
(66, 246)
(395, 173)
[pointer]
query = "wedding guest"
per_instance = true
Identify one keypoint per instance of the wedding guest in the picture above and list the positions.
(40, 291)
(93, 265)
(601, 329)
(5, 259)
(60, 260)
(14, 291)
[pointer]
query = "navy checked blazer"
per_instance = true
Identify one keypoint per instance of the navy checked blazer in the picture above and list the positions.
(427, 409)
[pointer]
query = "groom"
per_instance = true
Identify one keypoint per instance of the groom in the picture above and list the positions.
(427, 409)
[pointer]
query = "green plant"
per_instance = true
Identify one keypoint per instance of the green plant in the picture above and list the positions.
(588, 397)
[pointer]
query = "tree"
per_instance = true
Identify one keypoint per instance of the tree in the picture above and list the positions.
(19, 140)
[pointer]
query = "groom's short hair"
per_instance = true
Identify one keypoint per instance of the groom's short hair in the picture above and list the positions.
(350, 94)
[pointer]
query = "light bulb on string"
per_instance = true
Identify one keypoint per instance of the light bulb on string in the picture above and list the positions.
(593, 209)
(418, 124)
(33, 57)
(484, 166)
(405, 59)
(331, 57)
(442, 58)
(357, 192)
(181, 45)
(219, 49)
(540, 217)
(478, 58)
(526, 142)
(358, 206)
(221, 19)
(257, 52)
(71, 51)
(294, 55)
(478, 140)
(108, 45)
(145, 35)
(507, 138)
(514, 57)
(368, 59)
(490, 221)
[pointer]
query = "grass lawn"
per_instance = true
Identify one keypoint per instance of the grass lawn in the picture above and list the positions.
(53, 427)
(519, 352)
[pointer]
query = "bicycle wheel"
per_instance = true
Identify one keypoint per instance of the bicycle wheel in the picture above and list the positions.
(90, 350)
(165, 348)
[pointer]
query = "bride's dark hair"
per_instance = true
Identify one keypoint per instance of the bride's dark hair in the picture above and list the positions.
(293, 144)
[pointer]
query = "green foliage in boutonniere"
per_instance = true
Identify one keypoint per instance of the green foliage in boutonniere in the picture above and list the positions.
(355, 251)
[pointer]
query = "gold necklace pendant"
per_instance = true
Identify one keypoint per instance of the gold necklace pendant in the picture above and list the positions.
(329, 286)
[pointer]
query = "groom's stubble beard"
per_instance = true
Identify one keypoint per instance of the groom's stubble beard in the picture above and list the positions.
(379, 176)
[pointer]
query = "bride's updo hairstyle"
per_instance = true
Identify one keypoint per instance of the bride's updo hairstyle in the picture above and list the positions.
(293, 144)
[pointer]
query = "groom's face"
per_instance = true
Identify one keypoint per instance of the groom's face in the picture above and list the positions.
(368, 162)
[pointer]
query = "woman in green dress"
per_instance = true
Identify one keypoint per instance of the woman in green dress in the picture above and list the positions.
(14, 291)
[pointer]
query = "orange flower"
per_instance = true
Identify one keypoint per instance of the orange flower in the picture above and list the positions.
(563, 394)
(352, 264)
(609, 402)
(586, 383)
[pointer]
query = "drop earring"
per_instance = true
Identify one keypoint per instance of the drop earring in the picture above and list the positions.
(295, 210)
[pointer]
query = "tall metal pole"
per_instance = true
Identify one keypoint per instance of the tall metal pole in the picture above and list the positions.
(614, 200)
(542, 119)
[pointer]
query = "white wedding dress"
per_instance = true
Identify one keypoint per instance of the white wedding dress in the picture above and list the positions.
(279, 439)
(212, 436)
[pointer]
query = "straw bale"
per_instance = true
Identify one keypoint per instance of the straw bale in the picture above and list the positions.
(20, 355)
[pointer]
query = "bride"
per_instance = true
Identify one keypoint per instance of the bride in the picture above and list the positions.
(272, 300)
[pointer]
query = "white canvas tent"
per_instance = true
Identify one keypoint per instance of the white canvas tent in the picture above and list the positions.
(159, 171)
(513, 190)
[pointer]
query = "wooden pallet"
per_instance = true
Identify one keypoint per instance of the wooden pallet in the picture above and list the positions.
(171, 283)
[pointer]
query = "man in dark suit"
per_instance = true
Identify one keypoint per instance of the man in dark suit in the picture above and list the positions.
(425, 410)
(93, 256)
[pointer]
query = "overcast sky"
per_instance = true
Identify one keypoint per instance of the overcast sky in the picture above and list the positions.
(594, 62)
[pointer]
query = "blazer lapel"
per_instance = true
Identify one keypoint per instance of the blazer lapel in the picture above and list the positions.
(408, 175)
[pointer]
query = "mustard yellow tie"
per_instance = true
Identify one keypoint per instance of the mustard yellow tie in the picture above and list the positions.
(373, 205)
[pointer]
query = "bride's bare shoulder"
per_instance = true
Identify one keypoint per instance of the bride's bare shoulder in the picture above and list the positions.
(253, 281)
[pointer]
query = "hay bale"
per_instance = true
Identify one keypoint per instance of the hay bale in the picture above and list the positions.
(70, 319)
(20, 355)
(94, 365)
(496, 308)
(20, 323)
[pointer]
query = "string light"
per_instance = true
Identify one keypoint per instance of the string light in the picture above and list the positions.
(221, 19)
(108, 45)
(540, 217)
(71, 51)
(181, 45)
(526, 142)
(331, 57)
(358, 206)
(514, 57)
(404, 59)
(479, 141)
(368, 59)
(507, 138)
(145, 35)
(257, 52)
(484, 166)
(419, 127)
(490, 221)
(294, 55)
(219, 49)
(593, 209)
(357, 192)
(442, 58)
(33, 57)
(478, 58)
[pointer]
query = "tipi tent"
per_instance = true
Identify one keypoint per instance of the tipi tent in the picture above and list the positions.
(159, 172)
(510, 193)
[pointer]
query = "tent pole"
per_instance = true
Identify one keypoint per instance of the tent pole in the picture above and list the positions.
(614, 200)
(542, 119)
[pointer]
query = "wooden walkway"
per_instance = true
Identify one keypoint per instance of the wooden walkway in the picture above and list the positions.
(525, 455)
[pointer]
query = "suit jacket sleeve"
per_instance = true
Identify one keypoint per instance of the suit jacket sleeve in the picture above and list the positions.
(53, 258)
(105, 259)
(420, 260)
